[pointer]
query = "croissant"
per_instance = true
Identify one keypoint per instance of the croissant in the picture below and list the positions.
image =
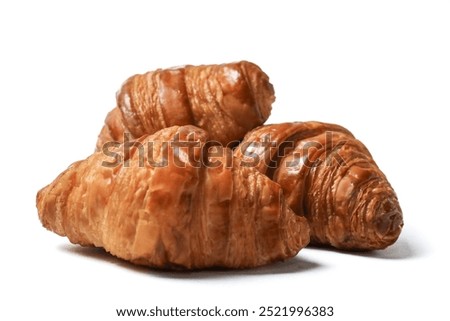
(329, 177)
(165, 201)
(227, 100)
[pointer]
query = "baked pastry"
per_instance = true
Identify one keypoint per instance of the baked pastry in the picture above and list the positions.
(226, 100)
(329, 177)
(164, 201)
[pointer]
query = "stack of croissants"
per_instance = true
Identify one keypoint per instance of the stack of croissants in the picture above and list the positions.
(187, 176)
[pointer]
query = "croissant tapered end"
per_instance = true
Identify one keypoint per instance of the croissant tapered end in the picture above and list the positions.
(158, 202)
(261, 92)
(329, 177)
(345, 181)
(48, 200)
(297, 233)
(375, 216)
(113, 130)
(388, 222)
(44, 213)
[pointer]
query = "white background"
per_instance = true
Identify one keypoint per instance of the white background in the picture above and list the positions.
(380, 68)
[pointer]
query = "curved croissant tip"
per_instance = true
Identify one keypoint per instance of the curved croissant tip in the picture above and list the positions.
(388, 221)
(377, 221)
(298, 233)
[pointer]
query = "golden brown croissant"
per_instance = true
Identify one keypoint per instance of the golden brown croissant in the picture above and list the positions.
(329, 177)
(159, 201)
(227, 100)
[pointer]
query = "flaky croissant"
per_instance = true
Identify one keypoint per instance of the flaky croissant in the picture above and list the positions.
(227, 100)
(330, 178)
(162, 201)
